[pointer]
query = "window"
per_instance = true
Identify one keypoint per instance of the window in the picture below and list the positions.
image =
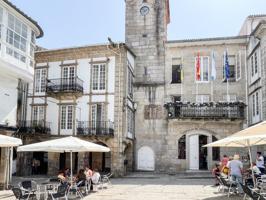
(68, 77)
(254, 66)
(1, 21)
(232, 72)
(230, 98)
(16, 33)
(98, 77)
(255, 104)
(40, 80)
(66, 117)
(204, 69)
(201, 98)
(37, 114)
(176, 74)
(15, 54)
(130, 121)
(182, 147)
(97, 116)
(130, 82)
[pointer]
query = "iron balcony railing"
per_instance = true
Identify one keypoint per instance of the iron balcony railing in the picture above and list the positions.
(34, 126)
(74, 84)
(219, 110)
(98, 128)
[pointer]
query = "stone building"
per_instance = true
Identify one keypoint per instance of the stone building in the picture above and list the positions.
(256, 59)
(178, 113)
(85, 92)
(18, 33)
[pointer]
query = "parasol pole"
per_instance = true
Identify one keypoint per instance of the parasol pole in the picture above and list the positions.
(71, 170)
(250, 159)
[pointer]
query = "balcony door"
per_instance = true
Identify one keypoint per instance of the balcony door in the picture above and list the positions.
(38, 115)
(97, 118)
(68, 77)
(66, 119)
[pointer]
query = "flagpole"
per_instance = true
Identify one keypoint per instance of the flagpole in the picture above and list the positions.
(182, 78)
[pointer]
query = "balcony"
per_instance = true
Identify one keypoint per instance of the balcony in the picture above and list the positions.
(34, 127)
(211, 111)
(95, 128)
(65, 86)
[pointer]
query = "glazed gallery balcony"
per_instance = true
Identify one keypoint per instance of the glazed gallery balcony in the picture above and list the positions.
(95, 128)
(64, 86)
(34, 127)
(212, 110)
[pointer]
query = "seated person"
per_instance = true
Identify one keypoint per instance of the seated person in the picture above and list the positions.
(95, 176)
(215, 173)
(67, 172)
(61, 177)
(88, 172)
(80, 177)
(256, 170)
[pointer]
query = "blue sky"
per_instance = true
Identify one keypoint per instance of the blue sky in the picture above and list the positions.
(81, 22)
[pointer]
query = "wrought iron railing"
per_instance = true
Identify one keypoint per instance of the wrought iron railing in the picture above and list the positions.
(98, 128)
(74, 84)
(219, 110)
(34, 126)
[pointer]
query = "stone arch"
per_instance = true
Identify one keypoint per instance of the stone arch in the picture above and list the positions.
(146, 159)
(192, 137)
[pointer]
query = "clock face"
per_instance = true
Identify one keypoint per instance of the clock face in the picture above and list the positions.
(144, 10)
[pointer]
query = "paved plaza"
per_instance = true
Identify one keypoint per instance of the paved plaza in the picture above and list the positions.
(162, 187)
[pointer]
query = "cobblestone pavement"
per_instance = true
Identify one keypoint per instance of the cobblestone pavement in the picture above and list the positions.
(153, 188)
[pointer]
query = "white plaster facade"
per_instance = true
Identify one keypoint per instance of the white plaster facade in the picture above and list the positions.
(17, 39)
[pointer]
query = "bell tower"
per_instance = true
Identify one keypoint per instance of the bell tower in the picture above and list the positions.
(146, 32)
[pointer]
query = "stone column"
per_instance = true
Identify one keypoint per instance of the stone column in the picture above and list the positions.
(53, 163)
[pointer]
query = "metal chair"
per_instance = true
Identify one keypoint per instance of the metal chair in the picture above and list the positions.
(231, 185)
(62, 192)
(18, 193)
(249, 192)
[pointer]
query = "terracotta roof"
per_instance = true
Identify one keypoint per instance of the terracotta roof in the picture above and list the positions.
(26, 16)
(207, 39)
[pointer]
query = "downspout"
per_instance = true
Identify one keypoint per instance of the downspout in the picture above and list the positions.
(246, 76)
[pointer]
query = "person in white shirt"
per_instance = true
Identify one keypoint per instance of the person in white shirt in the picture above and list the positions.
(260, 162)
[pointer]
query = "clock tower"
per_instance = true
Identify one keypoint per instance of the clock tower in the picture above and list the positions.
(146, 33)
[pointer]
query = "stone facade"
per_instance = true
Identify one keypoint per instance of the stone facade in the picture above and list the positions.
(157, 134)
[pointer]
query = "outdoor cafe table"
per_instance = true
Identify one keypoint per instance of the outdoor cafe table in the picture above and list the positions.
(44, 188)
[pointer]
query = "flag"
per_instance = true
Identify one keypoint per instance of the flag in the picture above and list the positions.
(198, 68)
(213, 73)
(226, 67)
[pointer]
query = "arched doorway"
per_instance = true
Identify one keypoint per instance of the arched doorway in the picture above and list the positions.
(146, 159)
(192, 152)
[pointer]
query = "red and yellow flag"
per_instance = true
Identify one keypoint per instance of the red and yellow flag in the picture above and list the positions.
(198, 68)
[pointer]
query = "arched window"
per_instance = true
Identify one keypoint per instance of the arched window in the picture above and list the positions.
(182, 147)
(215, 151)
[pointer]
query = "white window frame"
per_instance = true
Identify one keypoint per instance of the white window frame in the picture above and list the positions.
(94, 116)
(67, 119)
(130, 122)
(201, 69)
(230, 97)
(256, 107)
(38, 113)
(98, 77)
(40, 80)
(129, 82)
(254, 64)
(235, 67)
(202, 98)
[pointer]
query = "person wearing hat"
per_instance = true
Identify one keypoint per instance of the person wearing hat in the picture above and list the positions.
(260, 162)
(235, 170)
